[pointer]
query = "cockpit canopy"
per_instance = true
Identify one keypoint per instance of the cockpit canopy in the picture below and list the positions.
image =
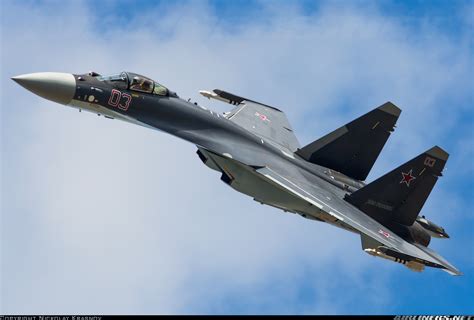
(135, 82)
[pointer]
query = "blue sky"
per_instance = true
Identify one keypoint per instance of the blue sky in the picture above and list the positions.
(100, 216)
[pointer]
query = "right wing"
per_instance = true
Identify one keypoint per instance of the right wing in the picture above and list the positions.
(314, 193)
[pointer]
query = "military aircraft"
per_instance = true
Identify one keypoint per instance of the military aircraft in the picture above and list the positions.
(255, 149)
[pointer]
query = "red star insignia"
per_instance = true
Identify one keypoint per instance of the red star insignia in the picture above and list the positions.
(407, 177)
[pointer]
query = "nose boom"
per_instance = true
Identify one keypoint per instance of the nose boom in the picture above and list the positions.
(54, 86)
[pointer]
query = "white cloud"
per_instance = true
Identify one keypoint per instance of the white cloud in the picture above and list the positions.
(100, 216)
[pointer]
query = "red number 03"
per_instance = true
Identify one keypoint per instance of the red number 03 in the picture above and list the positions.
(120, 100)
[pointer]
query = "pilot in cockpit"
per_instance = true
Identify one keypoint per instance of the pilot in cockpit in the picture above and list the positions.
(141, 84)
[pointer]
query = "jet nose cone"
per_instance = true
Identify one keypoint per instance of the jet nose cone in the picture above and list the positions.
(54, 86)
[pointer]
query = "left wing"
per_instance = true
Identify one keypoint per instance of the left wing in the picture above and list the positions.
(314, 193)
(262, 120)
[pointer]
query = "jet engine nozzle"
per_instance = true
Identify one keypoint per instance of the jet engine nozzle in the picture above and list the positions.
(54, 86)
(433, 229)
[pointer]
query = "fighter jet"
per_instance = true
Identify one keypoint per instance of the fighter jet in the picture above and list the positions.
(255, 150)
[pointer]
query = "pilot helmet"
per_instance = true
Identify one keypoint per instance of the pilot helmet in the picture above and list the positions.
(136, 80)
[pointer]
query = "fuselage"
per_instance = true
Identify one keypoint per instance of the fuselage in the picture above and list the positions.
(257, 154)
(222, 144)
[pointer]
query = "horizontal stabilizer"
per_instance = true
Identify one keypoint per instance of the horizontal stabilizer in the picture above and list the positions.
(352, 149)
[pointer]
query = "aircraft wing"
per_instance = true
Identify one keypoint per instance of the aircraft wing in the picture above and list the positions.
(314, 193)
(263, 120)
